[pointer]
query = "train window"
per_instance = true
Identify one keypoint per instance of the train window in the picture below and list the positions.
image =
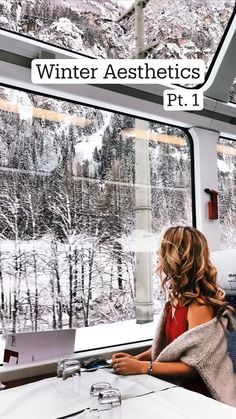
(67, 208)
(173, 28)
(186, 29)
(226, 152)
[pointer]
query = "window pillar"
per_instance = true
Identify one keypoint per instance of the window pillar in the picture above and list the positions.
(143, 227)
(206, 176)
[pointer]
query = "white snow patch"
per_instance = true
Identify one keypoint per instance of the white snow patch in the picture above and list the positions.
(84, 150)
(222, 166)
(3, 21)
(126, 3)
(118, 333)
(63, 25)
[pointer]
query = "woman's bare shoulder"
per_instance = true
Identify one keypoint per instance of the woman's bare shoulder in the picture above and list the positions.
(199, 313)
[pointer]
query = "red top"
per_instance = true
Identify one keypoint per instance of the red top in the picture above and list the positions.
(176, 326)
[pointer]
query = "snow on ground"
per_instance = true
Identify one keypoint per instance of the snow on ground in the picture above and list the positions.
(126, 331)
(104, 275)
(126, 3)
(222, 166)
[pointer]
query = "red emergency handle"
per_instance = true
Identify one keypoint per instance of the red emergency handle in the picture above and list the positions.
(212, 204)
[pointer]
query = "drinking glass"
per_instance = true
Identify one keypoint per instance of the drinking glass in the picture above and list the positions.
(72, 373)
(95, 389)
(60, 366)
(109, 404)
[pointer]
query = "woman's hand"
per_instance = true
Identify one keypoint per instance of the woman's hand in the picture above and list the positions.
(128, 365)
(121, 355)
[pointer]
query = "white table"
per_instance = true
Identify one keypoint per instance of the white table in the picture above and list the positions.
(143, 397)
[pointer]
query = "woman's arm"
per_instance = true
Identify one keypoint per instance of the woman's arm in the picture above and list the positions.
(144, 356)
(126, 366)
(177, 369)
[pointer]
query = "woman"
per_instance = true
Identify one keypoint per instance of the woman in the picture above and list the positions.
(190, 343)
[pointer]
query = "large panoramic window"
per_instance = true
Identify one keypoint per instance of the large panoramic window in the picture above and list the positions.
(226, 150)
(72, 180)
(172, 28)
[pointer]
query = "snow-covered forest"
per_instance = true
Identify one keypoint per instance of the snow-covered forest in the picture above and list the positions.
(67, 196)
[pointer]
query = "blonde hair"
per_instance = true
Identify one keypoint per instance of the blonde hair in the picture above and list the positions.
(190, 276)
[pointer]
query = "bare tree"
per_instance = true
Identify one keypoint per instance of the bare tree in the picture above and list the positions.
(10, 214)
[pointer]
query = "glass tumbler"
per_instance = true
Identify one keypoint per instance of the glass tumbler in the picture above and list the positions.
(72, 373)
(109, 404)
(60, 366)
(95, 389)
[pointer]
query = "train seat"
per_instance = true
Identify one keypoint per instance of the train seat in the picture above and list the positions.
(231, 336)
(224, 260)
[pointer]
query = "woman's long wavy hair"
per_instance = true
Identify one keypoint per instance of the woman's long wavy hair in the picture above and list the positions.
(189, 276)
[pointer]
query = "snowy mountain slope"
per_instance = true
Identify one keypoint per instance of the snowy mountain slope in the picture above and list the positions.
(86, 26)
(190, 29)
(180, 28)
